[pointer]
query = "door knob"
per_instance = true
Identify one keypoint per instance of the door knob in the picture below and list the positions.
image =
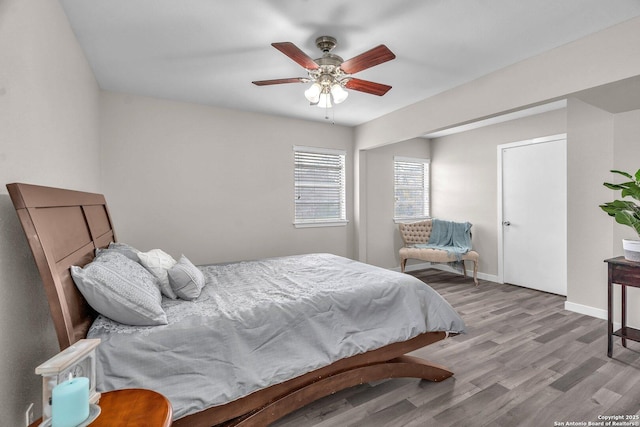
(506, 223)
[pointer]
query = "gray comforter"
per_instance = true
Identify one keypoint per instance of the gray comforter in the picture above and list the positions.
(263, 322)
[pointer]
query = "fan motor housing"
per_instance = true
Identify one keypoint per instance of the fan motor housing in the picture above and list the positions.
(326, 43)
(329, 59)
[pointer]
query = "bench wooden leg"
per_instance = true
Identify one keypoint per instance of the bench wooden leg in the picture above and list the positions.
(475, 272)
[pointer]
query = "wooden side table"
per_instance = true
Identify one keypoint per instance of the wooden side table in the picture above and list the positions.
(131, 408)
(624, 273)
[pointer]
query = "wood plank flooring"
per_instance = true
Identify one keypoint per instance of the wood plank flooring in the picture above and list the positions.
(524, 361)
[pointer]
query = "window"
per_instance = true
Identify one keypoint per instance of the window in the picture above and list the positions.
(411, 185)
(319, 186)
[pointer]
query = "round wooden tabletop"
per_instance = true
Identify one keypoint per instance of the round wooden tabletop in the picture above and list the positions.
(132, 408)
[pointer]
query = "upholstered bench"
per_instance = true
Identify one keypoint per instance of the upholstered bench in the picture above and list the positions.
(418, 233)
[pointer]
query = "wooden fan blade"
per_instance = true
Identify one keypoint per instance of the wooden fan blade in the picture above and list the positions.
(293, 52)
(280, 81)
(367, 86)
(368, 59)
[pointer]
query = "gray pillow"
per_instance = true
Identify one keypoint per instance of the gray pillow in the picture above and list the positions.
(186, 279)
(126, 250)
(120, 289)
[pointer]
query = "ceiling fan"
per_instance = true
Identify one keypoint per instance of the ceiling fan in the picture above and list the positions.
(330, 74)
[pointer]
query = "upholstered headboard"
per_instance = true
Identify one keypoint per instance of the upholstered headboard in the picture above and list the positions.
(63, 228)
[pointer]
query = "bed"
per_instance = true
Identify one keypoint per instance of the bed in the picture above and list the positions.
(65, 227)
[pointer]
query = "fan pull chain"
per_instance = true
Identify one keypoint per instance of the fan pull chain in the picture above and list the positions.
(333, 115)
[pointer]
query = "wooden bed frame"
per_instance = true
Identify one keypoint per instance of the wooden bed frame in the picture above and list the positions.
(64, 227)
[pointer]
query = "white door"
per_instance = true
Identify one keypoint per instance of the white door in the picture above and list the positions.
(534, 214)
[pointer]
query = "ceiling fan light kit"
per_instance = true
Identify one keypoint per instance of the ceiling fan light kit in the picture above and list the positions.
(323, 91)
(329, 75)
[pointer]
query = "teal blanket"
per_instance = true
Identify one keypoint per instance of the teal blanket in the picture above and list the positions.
(453, 237)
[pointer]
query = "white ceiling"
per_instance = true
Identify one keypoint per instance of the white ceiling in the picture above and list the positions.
(209, 51)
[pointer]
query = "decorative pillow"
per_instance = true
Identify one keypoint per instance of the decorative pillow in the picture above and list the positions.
(186, 279)
(120, 289)
(158, 263)
(126, 250)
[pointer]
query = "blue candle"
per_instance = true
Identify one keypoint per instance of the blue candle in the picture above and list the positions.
(70, 402)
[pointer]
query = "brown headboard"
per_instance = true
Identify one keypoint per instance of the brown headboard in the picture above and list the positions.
(63, 228)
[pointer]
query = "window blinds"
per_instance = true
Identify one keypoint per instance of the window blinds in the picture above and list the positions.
(411, 186)
(319, 185)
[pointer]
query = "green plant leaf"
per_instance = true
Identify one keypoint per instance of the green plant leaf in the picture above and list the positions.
(609, 207)
(632, 190)
(609, 210)
(616, 186)
(624, 218)
(622, 204)
(638, 176)
(627, 174)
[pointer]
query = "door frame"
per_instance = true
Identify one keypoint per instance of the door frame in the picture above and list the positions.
(501, 147)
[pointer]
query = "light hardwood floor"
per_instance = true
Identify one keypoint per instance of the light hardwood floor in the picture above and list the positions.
(525, 361)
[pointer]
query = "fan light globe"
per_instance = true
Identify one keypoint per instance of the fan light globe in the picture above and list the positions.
(325, 100)
(313, 93)
(338, 93)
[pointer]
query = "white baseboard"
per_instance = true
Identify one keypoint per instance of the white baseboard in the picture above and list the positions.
(601, 313)
(598, 313)
(585, 309)
(414, 267)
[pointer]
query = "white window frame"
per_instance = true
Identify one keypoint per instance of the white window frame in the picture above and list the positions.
(426, 183)
(341, 220)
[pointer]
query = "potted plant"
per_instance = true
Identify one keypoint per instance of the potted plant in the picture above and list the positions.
(626, 212)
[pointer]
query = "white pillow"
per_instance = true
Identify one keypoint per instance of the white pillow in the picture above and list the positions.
(158, 263)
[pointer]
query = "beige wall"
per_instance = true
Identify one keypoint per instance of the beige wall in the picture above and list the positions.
(626, 157)
(214, 184)
(49, 136)
(464, 177)
(598, 142)
(383, 238)
(589, 230)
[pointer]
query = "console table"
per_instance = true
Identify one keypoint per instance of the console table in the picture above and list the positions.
(624, 273)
